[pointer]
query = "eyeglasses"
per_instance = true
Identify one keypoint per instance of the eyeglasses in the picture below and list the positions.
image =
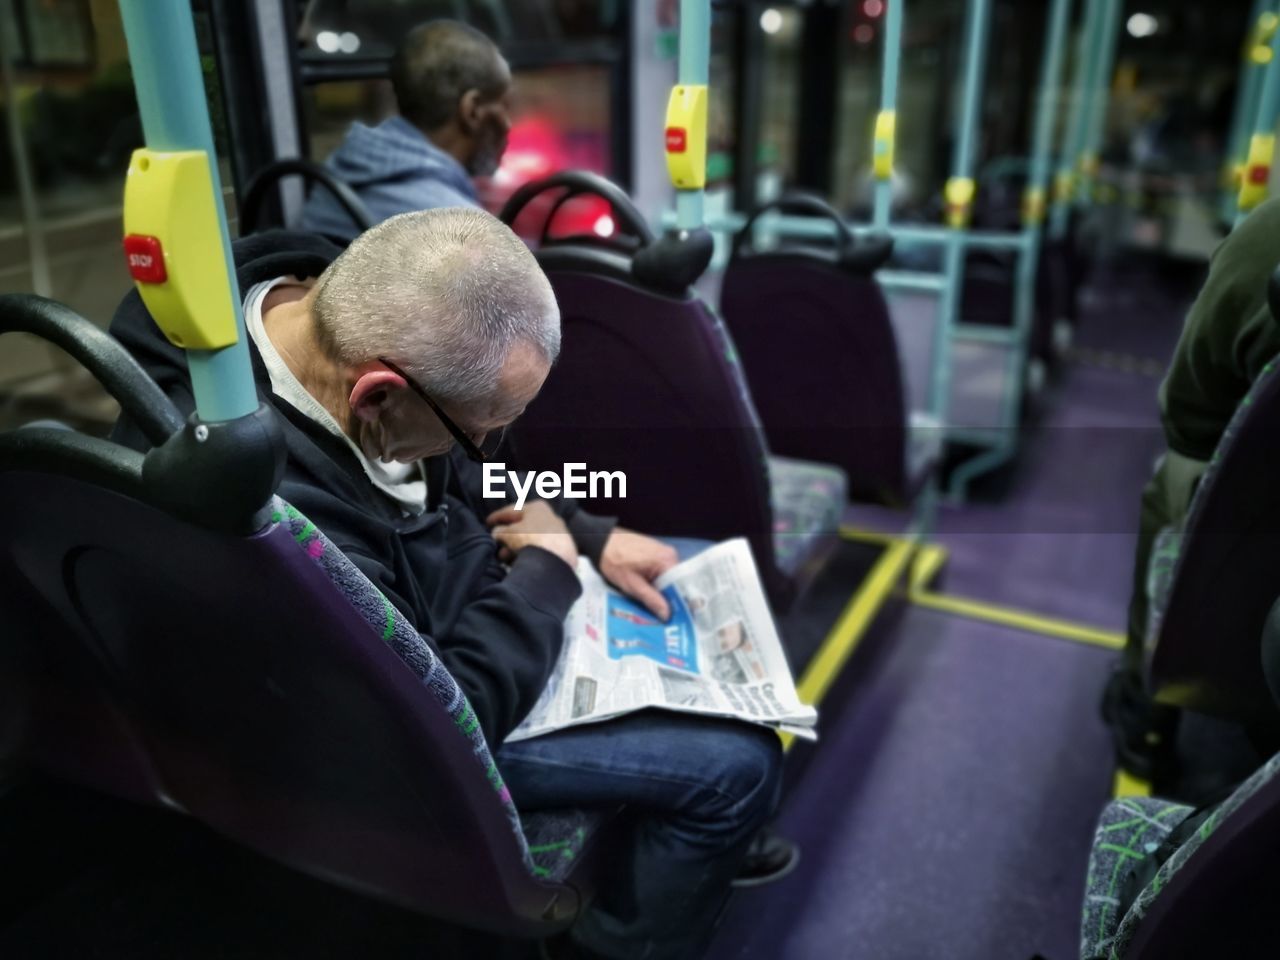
(473, 452)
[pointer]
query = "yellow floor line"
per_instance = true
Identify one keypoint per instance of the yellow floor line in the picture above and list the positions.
(869, 536)
(1009, 617)
(852, 625)
(1127, 785)
(929, 560)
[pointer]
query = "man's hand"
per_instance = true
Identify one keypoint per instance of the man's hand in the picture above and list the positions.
(537, 525)
(631, 562)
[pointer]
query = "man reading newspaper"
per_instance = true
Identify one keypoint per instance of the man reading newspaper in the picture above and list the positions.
(363, 354)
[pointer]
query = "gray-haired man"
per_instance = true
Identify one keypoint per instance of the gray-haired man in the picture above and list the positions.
(430, 327)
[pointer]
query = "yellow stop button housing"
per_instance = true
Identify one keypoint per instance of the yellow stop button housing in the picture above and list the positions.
(169, 213)
(1256, 175)
(686, 136)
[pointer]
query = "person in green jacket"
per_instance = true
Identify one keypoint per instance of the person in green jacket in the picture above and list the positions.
(1228, 337)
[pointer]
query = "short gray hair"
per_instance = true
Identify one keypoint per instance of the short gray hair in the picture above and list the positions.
(439, 61)
(444, 293)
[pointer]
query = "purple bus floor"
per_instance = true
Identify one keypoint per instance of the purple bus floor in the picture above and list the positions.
(948, 809)
(1054, 533)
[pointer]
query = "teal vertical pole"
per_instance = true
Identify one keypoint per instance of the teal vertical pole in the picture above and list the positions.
(1042, 141)
(959, 199)
(1103, 72)
(1257, 170)
(1262, 19)
(1017, 361)
(175, 116)
(885, 139)
(975, 63)
(1090, 38)
(694, 69)
(1034, 202)
(1269, 102)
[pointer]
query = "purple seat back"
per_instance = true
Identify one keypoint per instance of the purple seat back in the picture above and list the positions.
(988, 292)
(1206, 652)
(270, 708)
(55, 712)
(644, 385)
(817, 346)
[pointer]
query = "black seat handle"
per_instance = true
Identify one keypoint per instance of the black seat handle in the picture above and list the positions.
(555, 208)
(273, 173)
(577, 182)
(796, 201)
(100, 354)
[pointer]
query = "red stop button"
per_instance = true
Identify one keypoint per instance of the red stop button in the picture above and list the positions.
(145, 258)
(1258, 173)
(677, 138)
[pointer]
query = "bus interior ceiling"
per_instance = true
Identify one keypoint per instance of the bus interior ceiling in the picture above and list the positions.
(957, 647)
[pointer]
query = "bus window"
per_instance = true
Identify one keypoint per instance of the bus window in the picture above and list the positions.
(779, 116)
(70, 122)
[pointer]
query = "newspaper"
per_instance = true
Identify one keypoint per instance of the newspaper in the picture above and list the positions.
(719, 654)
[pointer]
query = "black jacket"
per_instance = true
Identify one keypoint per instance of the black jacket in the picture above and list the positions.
(499, 632)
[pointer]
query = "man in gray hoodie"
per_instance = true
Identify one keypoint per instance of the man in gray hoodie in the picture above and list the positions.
(453, 88)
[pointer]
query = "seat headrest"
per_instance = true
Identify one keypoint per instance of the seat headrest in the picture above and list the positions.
(862, 257)
(867, 255)
(673, 263)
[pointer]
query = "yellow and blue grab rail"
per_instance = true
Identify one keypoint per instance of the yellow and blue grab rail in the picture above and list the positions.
(177, 245)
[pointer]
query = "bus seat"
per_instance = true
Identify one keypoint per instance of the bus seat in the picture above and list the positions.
(1212, 582)
(274, 693)
(1167, 881)
(817, 344)
(990, 300)
(648, 383)
(55, 713)
(807, 499)
(987, 295)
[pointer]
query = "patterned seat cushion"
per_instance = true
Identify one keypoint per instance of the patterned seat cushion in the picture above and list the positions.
(1165, 550)
(808, 499)
(925, 437)
(549, 840)
(557, 837)
(1129, 831)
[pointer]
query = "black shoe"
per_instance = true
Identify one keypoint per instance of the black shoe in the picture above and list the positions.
(770, 857)
(1142, 731)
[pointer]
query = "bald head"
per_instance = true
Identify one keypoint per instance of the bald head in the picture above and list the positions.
(448, 294)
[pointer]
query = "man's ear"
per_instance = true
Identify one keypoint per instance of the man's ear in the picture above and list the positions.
(372, 392)
(469, 109)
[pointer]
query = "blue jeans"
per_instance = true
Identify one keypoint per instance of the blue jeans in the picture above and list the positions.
(701, 788)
